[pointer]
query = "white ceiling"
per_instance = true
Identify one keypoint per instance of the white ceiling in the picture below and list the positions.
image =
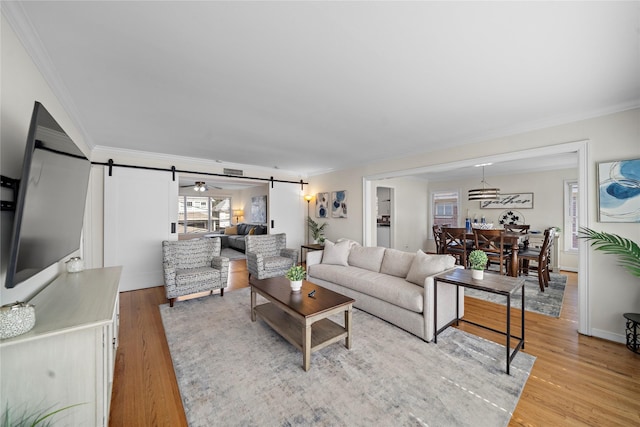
(318, 86)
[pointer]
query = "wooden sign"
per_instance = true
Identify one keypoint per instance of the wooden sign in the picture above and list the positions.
(509, 201)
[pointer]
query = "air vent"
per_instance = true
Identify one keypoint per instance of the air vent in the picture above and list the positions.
(236, 172)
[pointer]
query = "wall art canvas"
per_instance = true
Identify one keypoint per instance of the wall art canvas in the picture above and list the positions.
(619, 191)
(509, 201)
(339, 204)
(322, 205)
(259, 209)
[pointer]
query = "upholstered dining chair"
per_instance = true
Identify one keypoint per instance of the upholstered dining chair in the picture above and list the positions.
(193, 266)
(268, 256)
(454, 242)
(492, 243)
(541, 259)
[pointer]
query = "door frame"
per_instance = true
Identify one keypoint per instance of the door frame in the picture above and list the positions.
(581, 148)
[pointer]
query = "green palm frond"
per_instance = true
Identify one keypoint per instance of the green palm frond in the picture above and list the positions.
(628, 251)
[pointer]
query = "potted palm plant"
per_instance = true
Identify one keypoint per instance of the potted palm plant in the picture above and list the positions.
(628, 251)
(478, 262)
(296, 275)
(316, 229)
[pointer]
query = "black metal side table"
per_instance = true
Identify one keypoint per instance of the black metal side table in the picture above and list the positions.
(633, 331)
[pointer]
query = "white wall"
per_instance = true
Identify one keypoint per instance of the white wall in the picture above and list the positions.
(22, 85)
(612, 291)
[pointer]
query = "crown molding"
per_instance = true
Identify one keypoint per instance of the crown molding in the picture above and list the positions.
(28, 35)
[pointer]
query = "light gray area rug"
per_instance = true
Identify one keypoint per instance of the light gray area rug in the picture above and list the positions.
(548, 302)
(232, 254)
(233, 372)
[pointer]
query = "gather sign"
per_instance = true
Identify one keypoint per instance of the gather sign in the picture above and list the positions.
(508, 201)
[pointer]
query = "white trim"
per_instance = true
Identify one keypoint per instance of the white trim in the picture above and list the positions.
(579, 147)
(599, 333)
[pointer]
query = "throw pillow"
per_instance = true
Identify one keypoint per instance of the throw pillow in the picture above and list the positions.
(231, 230)
(335, 253)
(252, 231)
(368, 258)
(427, 265)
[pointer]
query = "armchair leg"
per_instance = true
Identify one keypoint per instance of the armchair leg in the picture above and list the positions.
(171, 301)
(221, 292)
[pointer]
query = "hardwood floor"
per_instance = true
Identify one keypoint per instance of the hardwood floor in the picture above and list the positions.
(576, 380)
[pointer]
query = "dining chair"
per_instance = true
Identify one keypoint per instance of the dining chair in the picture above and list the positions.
(519, 228)
(540, 256)
(492, 243)
(437, 236)
(454, 242)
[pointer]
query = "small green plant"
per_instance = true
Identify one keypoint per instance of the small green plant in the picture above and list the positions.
(296, 273)
(627, 250)
(13, 418)
(478, 259)
(315, 228)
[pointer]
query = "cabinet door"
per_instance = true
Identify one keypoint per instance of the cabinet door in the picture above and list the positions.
(139, 208)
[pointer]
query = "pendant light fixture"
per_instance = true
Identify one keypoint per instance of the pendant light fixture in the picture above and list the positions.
(484, 193)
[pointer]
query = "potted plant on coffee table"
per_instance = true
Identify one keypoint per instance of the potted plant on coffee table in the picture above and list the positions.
(478, 262)
(296, 275)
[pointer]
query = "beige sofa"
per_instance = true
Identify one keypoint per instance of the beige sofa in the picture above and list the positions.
(393, 285)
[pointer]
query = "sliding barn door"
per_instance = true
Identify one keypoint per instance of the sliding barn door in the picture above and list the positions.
(287, 213)
(139, 208)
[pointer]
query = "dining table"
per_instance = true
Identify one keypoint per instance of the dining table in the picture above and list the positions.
(513, 239)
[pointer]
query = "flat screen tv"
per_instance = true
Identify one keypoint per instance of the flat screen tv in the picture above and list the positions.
(51, 198)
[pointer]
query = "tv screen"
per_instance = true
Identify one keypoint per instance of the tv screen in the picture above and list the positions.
(51, 199)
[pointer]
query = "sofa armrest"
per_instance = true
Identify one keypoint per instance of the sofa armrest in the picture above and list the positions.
(314, 257)
(222, 264)
(447, 295)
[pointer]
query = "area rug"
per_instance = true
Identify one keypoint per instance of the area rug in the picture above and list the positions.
(548, 302)
(235, 372)
(232, 254)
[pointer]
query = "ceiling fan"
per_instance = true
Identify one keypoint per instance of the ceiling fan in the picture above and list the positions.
(200, 186)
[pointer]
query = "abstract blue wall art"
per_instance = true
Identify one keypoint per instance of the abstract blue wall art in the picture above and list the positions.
(339, 204)
(259, 209)
(619, 191)
(322, 205)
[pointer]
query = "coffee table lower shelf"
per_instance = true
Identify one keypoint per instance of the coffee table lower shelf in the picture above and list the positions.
(323, 332)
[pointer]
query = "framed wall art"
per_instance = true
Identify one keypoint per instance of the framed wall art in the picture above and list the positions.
(619, 191)
(259, 209)
(509, 201)
(322, 205)
(339, 204)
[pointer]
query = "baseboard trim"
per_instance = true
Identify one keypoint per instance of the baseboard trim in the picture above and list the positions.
(598, 333)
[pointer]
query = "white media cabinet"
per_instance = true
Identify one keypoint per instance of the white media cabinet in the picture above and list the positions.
(68, 357)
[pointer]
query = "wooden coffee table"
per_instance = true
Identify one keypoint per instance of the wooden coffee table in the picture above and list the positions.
(300, 319)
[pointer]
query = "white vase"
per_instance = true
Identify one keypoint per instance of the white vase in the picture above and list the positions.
(295, 285)
(477, 274)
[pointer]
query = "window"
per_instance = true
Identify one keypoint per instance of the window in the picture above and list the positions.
(203, 214)
(445, 208)
(571, 215)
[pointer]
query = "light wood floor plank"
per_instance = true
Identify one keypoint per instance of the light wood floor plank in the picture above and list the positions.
(575, 381)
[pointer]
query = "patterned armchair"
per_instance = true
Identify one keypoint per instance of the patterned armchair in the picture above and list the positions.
(267, 255)
(192, 266)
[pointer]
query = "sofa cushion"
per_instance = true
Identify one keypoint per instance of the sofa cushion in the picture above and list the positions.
(365, 257)
(394, 290)
(426, 265)
(187, 276)
(260, 229)
(243, 229)
(231, 231)
(396, 263)
(336, 253)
